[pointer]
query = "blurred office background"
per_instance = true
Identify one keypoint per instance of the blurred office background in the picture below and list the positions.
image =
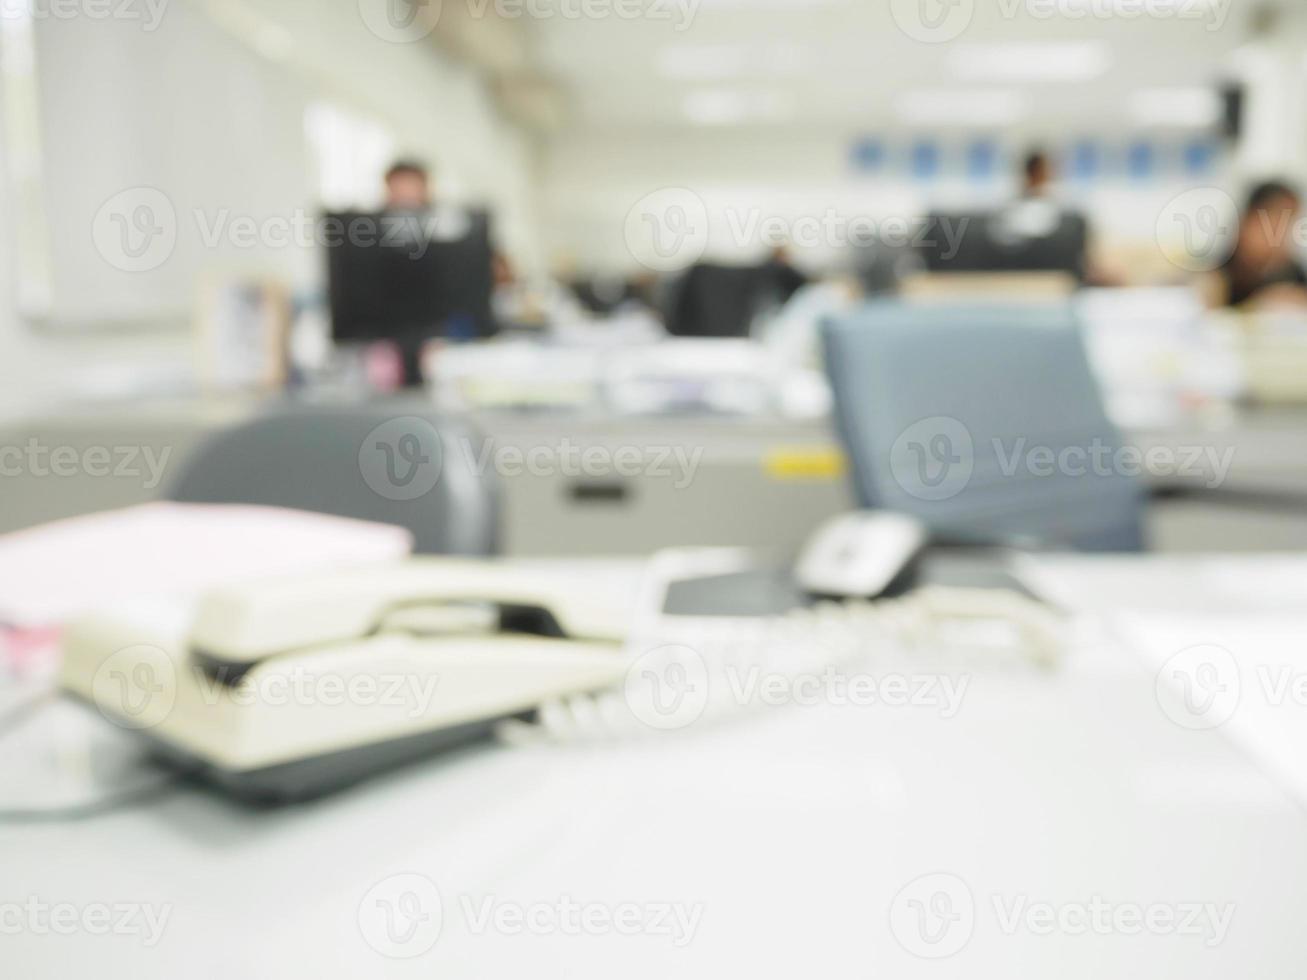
(670, 287)
(166, 167)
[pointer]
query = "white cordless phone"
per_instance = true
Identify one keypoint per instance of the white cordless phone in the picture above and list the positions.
(858, 555)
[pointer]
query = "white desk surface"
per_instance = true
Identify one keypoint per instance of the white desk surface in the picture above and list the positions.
(794, 828)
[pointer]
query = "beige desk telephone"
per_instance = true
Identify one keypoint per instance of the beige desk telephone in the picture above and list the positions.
(289, 687)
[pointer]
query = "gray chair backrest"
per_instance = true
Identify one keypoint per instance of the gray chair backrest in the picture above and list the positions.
(393, 464)
(983, 421)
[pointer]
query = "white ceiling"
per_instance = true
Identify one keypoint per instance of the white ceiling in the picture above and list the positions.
(850, 63)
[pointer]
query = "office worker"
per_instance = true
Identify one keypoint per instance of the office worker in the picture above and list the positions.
(1263, 268)
(435, 286)
(1037, 213)
(1037, 175)
(780, 280)
(408, 186)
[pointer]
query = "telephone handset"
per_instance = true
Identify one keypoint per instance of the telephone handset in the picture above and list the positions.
(288, 687)
(240, 625)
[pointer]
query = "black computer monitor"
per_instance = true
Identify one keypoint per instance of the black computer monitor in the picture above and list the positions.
(604, 295)
(1006, 241)
(409, 276)
(722, 300)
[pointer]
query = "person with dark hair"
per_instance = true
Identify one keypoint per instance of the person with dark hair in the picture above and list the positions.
(1264, 266)
(1037, 214)
(1038, 171)
(408, 186)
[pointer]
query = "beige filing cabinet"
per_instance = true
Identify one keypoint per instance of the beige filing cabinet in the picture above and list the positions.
(612, 485)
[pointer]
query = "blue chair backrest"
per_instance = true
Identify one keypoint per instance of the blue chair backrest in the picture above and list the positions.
(985, 422)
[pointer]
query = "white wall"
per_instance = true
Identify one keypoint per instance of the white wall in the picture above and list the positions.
(210, 109)
(592, 179)
(821, 72)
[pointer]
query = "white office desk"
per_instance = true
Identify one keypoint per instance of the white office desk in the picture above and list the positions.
(792, 828)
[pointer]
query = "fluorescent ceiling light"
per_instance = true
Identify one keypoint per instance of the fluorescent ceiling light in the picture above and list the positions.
(716, 61)
(1184, 107)
(1035, 61)
(962, 107)
(726, 107)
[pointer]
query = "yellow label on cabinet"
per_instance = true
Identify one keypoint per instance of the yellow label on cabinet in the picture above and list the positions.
(816, 463)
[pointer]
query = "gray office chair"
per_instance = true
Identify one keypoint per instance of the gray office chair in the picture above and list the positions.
(975, 419)
(398, 465)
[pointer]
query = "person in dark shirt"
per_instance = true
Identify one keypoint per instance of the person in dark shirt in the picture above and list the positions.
(779, 278)
(1264, 266)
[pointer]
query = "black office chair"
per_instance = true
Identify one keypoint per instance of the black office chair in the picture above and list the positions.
(395, 465)
(723, 300)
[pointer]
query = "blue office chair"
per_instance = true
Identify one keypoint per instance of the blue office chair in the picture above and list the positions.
(392, 464)
(984, 422)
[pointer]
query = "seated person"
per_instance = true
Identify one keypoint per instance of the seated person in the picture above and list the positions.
(1038, 213)
(779, 277)
(408, 186)
(1036, 176)
(1264, 267)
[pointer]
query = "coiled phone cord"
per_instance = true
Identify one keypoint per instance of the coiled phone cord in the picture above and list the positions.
(697, 662)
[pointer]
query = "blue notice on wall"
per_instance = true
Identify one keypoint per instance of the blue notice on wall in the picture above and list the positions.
(982, 160)
(1199, 158)
(1085, 161)
(1140, 161)
(924, 160)
(867, 155)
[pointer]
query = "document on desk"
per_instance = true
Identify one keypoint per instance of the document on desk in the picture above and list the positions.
(53, 572)
(1223, 641)
(1245, 676)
